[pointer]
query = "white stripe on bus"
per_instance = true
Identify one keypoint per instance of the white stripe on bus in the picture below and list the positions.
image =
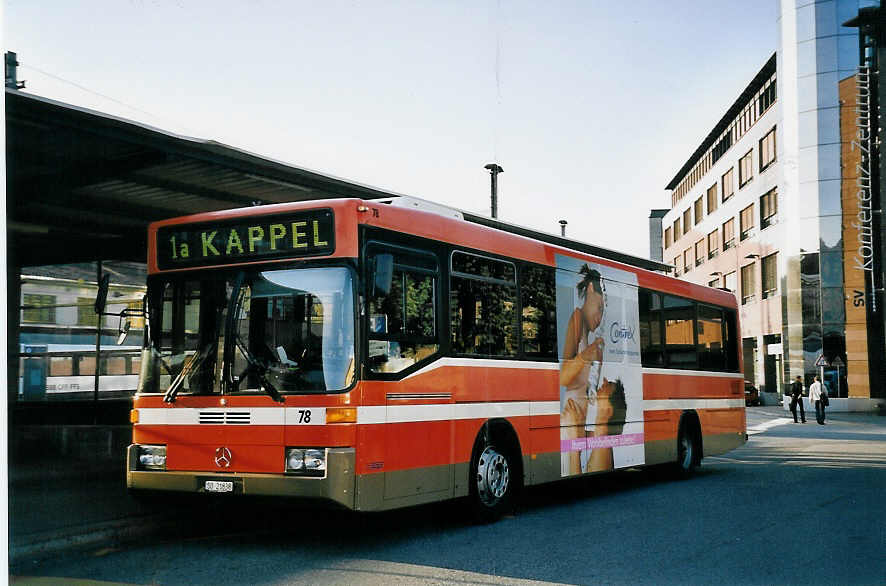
(484, 363)
(665, 404)
(378, 414)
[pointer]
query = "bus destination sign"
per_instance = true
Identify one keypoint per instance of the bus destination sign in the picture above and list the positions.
(256, 238)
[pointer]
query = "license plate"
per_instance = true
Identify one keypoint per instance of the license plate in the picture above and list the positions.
(218, 486)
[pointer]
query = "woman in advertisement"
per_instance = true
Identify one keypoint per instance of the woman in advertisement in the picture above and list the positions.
(581, 361)
(594, 432)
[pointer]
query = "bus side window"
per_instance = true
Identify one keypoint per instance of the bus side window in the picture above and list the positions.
(402, 319)
(538, 312)
(710, 325)
(730, 341)
(483, 305)
(679, 318)
(651, 343)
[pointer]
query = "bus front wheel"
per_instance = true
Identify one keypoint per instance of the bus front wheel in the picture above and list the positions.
(494, 479)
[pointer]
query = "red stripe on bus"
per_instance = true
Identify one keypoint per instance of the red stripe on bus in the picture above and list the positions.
(682, 386)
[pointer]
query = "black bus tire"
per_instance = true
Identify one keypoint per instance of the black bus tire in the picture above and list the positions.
(494, 477)
(688, 450)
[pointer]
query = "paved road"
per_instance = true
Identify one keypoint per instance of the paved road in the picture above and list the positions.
(799, 504)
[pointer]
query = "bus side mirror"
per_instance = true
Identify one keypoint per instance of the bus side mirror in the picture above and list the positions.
(101, 298)
(123, 331)
(126, 320)
(383, 273)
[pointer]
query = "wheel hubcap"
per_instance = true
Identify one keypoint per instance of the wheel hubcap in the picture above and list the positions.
(686, 452)
(493, 476)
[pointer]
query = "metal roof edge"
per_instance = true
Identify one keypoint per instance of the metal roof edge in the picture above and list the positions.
(575, 245)
(765, 72)
(273, 167)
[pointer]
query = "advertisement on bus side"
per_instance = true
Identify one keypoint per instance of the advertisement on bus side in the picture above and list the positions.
(601, 379)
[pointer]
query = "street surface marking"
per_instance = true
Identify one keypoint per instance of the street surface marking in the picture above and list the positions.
(761, 427)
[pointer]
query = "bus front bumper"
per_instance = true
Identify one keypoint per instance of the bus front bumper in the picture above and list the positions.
(337, 486)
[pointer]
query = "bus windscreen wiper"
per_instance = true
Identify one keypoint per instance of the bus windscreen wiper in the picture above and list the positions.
(234, 340)
(190, 366)
(255, 365)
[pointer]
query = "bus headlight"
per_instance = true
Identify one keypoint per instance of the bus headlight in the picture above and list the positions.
(152, 457)
(306, 461)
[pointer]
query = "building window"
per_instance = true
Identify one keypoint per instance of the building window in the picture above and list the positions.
(86, 315)
(729, 234)
(713, 244)
(677, 229)
(677, 266)
(687, 221)
(699, 211)
(668, 240)
(769, 277)
(699, 252)
(766, 98)
(767, 150)
(729, 282)
(721, 147)
(728, 184)
(712, 199)
(715, 283)
(748, 284)
(745, 169)
(38, 308)
(768, 208)
(746, 222)
(137, 318)
(687, 260)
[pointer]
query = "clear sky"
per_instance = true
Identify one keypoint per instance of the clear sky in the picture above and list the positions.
(590, 107)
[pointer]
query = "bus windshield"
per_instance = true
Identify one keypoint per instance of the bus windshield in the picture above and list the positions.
(274, 332)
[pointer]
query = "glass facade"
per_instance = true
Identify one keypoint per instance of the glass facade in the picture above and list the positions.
(818, 64)
(792, 230)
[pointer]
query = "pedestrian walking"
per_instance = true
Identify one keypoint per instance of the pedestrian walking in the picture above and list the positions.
(797, 397)
(818, 395)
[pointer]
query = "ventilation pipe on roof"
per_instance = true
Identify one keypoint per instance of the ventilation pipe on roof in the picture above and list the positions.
(12, 64)
(494, 170)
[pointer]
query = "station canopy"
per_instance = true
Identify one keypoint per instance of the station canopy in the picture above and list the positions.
(83, 185)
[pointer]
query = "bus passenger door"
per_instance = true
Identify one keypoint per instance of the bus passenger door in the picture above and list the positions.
(403, 335)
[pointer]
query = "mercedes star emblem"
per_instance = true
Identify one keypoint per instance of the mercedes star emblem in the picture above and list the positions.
(223, 457)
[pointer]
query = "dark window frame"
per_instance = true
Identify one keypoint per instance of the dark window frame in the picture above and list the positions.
(765, 164)
(745, 296)
(725, 196)
(772, 218)
(516, 336)
(659, 356)
(730, 242)
(714, 251)
(746, 231)
(742, 179)
(393, 241)
(771, 261)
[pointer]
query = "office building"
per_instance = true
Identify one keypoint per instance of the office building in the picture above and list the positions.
(769, 207)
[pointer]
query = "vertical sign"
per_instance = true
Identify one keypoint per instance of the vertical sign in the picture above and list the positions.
(601, 378)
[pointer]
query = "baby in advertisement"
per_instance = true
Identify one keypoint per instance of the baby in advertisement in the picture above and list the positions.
(600, 373)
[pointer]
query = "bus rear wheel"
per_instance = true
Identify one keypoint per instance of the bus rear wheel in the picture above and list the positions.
(494, 480)
(688, 452)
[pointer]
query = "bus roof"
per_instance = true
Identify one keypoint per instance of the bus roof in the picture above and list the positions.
(654, 270)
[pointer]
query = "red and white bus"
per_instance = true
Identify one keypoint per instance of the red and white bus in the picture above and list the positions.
(378, 355)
